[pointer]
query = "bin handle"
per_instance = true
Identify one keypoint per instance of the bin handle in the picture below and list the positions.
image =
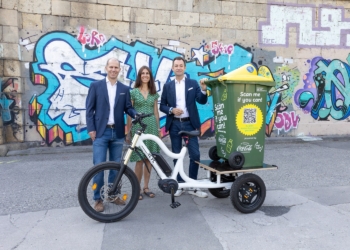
(222, 81)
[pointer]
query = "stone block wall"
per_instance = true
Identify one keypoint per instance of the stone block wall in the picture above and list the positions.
(12, 112)
(51, 50)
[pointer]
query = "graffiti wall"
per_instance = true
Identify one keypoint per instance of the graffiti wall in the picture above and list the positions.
(11, 110)
(316, 26)
(66, 65)
(326, 90)
(305, 46)
(319, 90)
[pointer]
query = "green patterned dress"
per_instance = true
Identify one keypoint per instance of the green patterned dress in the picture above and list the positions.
(146, 106)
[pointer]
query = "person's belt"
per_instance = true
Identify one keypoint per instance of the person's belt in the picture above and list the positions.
(110, 126)
(183, 119)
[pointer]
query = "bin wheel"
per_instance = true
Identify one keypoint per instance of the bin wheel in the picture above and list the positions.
(236, 160)
(213, 153)
(248, 193)
(219, 192)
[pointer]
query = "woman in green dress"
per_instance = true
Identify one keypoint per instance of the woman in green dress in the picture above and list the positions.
(144, 98)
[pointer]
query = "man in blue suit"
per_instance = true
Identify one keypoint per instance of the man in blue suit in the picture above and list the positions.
(178, 101)
(106, 103)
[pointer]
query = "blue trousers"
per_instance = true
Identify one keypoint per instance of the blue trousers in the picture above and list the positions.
(192, 146)
(107, 142)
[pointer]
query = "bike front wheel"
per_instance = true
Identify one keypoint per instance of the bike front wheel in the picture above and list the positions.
(115, 206)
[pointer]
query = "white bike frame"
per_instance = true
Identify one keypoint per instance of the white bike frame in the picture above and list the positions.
(137, 141)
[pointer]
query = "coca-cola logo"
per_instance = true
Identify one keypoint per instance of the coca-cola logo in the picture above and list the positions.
(244, 147)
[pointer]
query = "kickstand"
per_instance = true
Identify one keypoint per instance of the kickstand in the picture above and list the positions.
(174, 204)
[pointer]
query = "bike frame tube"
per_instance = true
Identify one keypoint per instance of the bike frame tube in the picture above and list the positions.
(123, 166)
(180, 156)
(129, 151)
(178, 169)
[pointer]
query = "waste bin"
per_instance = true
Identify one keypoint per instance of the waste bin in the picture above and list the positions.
(239, 99)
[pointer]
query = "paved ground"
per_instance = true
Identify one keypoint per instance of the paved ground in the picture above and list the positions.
(307, 205)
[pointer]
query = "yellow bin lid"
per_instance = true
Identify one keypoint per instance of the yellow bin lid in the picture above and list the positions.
(248, 74)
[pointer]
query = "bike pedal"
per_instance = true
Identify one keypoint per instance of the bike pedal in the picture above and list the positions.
(175, 204)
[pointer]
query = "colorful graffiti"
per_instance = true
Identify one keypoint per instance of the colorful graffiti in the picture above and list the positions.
(286, 121)
(94, 38)
(10, 104)
(322, 27)
(66, 66)
(326, 91)
(280, 98)
(219, 48)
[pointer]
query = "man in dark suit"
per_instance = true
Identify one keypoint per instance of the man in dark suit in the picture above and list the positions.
(178, 101)
(106, 103)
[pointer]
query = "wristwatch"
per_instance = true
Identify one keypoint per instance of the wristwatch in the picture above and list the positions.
(170, 111)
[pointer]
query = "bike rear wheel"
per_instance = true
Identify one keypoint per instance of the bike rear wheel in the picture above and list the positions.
(128, 192)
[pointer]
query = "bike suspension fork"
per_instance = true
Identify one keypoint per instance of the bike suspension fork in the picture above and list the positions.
(123, 164)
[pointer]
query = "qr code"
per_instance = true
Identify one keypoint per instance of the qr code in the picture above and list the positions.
(249, 116)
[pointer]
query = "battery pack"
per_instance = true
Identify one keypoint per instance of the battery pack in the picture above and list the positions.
(162, 164)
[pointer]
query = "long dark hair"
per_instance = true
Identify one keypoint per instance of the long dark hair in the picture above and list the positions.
(151, 85)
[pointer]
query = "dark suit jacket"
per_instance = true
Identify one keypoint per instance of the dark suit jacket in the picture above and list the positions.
(97, 108)
(193, 94)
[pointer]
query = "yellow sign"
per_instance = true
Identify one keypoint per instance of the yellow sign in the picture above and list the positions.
(249, 119)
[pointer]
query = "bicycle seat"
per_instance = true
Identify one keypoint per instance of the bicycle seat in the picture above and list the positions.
(190, 133)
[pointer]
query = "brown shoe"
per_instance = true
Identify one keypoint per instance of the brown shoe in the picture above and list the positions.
(99, 206)
(119, 201)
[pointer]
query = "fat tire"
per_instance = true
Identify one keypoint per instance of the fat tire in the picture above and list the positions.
(219, 192)
(107, 218)
(233, 160)
(242, 181)
(213, 153)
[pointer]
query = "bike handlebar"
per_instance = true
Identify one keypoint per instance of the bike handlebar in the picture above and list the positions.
(139, 117)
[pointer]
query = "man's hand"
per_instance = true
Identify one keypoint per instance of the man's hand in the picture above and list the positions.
(128, 139)
(177, 111)
(202, 84)
(92, 135)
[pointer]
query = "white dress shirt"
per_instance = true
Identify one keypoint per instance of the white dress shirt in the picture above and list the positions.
(181, 97)
(112, 91)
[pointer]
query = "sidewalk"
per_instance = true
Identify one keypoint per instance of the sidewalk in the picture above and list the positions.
(287, 220)
(33, 148)
(307, 204)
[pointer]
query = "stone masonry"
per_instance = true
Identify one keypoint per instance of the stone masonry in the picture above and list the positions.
(40, 104)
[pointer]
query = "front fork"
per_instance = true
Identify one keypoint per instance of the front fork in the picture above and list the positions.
(123, 164)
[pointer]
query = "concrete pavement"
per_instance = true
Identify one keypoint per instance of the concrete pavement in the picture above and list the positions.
(287, 220)
(307, 205)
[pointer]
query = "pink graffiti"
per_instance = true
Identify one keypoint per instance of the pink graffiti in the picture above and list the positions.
(287, 121)
(93, 39)
(219, 48)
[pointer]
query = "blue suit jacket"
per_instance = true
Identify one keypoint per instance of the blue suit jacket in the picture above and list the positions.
(193, 94)
(97, 108)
